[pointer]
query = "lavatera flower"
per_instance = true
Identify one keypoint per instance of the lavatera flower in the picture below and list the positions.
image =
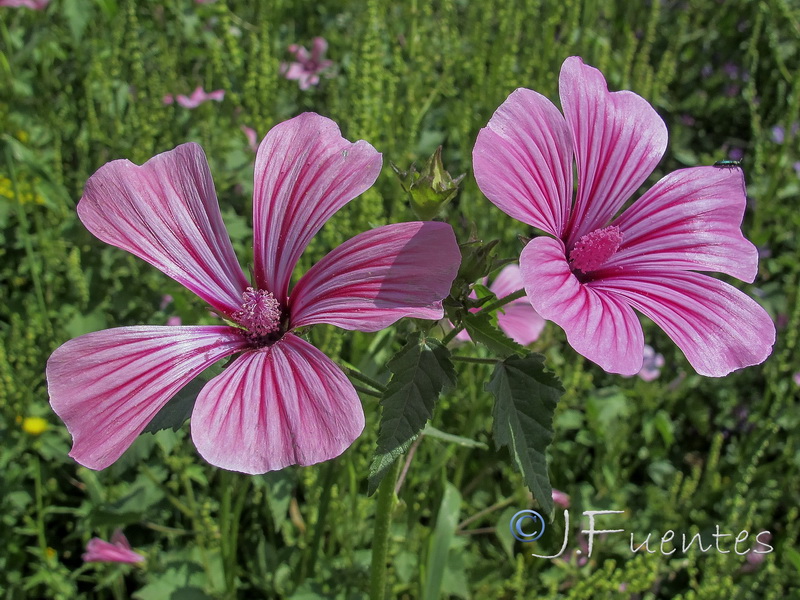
(281, 401)
(599, 265)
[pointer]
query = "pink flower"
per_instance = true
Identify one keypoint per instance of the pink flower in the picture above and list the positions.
(252, 137)
(308, 66)
(168, 99)
(281, 401)
(197, 98)
(118, 550)
(32, 4)
(560, 498)
(519, 320)
(796, 378)
(597, 268)
(651, 367)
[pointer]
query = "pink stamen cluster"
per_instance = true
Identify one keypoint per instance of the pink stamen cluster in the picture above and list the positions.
(260, 313)
(595, 248)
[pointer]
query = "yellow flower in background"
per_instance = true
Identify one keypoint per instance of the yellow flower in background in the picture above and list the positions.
(34, 425)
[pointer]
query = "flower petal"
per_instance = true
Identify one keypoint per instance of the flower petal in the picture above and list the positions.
(107, 386)
(378, 277)
(98, 550)
(305, 171)
(517, 319)
(523, 161)
(508, 281)
(520, 321)
(691, 219)
(166, 212)
(717, 327)
(599, 325)
(618, 140)
(283, 405)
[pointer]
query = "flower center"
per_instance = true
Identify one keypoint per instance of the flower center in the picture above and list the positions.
(595, 248)
(260, 313)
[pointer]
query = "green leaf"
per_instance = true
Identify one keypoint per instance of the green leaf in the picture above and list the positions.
(421, 370)
(480, 329)
(179, 408)
(442, 539)
(525, 399)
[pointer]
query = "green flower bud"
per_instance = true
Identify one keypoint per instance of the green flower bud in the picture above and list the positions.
(430, 189)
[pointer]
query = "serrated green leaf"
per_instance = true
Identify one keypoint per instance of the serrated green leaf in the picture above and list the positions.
(525, 399)
(480, 329)
(421, 370)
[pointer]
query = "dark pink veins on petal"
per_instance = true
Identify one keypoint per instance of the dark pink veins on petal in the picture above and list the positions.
(592, 250)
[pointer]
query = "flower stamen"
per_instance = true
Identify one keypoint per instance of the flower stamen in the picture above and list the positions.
(593, 249)
(260, 313)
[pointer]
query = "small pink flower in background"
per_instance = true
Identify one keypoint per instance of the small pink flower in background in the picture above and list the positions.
(518, 320)
(281, 401)
(560, 498)
(651, 367)
(197, 98)
(173, 321)
(597, 268)
(118, 550)
(252, 137)
(754, 559)
(32, 4)
(796, 378)
(307, 66)
(166, 300)
(736, 153)
(168, 99)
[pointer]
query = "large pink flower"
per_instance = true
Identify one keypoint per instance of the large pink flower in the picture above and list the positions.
(282, 401)
(598, 267)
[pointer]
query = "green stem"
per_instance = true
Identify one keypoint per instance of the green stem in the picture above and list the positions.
(380, 542)
(227, 545)
(355, 374)
(26, 240)
(37, 487)
(490, 307)
(367, 392)
(322, 513)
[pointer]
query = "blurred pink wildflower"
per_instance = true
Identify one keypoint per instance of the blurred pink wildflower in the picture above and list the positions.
(518, 320)
(596, 268)
(198, 97)
(252, 137)
(560, 498)
(281, 401)
(118, 550)
(651, 367)
(32, 4)
(307, 66)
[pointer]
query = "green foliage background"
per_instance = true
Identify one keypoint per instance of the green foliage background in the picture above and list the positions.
(82, 83)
